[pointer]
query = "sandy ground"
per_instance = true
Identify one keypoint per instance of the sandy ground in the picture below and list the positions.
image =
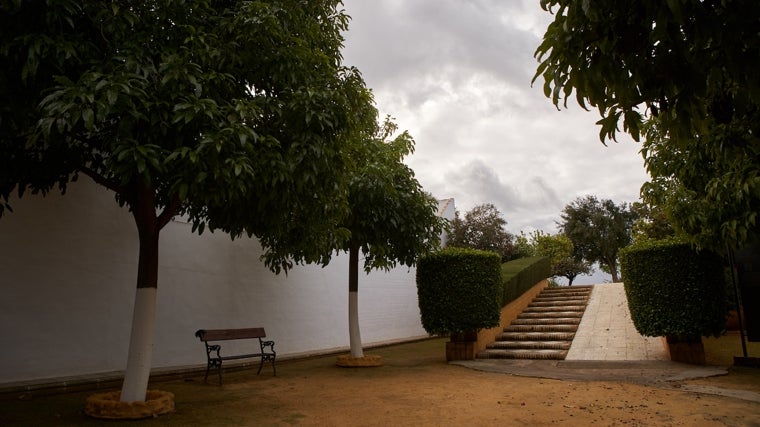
(416, 387)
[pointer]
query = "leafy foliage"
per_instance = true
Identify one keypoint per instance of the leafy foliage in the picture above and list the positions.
(561, 253)
(598, 229)
(681, 73)
(459, 290)
(519, 275)
(709, 185)
(482, 228)
(391, 218)
(238, 115)
(673, 289)
(234, 114)
(688, 62)
(652, 222)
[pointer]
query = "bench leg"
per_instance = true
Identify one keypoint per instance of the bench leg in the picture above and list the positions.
(213, 364)
(267, 358)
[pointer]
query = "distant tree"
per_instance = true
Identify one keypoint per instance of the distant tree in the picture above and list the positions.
(236, 114)
(684, 75)
(482, 228)
(392, 220)
(598, 229)
(524, 246)
(560, 250)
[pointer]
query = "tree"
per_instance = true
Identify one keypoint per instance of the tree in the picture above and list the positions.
(482, 228)
(524, 246)
(598, 229)
(681, 73)
(708, 187)
(392, 220)
(235, 114)
(560, 250)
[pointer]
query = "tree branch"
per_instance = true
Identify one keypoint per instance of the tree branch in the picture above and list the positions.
(100, 179)
(169, 211)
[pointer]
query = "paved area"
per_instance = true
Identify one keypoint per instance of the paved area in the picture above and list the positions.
(607, 347)
(606, 331)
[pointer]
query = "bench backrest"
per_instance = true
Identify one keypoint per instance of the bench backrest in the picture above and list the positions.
(229, 334)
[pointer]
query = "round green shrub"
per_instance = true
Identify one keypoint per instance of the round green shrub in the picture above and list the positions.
(459, 290)
(673, 289)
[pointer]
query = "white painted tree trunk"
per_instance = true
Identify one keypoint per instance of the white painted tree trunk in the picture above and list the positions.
(353, 325)
(140, 347)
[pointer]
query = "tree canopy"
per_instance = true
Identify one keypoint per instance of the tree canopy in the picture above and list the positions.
(232, 113)
(565, 262)
(482, 228)
(391, 220)
(598, 229)
(237, 115)
(681, 74)
(561, 251)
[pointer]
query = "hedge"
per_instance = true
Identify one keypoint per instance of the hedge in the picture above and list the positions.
(673, 290)
(459, 290)
(522, 274)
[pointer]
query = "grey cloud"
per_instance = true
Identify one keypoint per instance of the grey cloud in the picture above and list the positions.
(526, 202)
(457, 75)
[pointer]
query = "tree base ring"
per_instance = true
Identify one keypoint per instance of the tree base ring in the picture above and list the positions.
(368, 361)
(108, 406)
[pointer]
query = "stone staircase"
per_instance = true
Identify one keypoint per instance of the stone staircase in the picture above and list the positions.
(545, 329)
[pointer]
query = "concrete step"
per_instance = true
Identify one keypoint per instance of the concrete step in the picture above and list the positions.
(522, 354)
(550, 314)
(535, 336)
(531, 308)
(533, 345)
(554, 303)
(541, 328)
(547, 321)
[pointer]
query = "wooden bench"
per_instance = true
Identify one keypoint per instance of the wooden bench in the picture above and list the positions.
(214, 357)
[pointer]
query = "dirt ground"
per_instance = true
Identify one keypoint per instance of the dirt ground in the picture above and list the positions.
(415, 387)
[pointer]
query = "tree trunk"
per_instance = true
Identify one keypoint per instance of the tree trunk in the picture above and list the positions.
(613, 271)
(353, 301)
(140, 354)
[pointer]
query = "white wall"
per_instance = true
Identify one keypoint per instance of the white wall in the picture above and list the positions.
(68, 268)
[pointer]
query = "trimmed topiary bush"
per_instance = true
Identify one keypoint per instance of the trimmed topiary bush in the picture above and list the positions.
(522, 274)
(459, 290)
(673, 290)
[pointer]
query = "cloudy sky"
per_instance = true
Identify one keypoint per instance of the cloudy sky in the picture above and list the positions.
(457, 74)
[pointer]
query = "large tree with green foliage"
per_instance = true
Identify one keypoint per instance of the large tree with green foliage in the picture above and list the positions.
(392, 220)
(560, 251)
(683, 74)
(598, 230)
(482, 228)
(235, 114)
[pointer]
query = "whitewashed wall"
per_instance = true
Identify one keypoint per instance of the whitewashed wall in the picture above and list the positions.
(68, 272)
